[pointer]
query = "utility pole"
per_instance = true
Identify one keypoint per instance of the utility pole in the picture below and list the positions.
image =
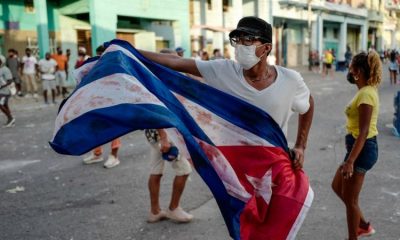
(309, 15)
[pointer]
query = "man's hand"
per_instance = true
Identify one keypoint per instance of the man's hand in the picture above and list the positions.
(298, 158)
(165, 145)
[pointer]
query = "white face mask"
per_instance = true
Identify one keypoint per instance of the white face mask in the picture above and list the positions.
(246, 55)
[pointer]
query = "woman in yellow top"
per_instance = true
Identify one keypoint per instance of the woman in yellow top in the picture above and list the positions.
(362, 150)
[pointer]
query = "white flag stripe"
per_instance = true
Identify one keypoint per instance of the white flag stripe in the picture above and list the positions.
(302, 215)
(109, 91)
(213, 125)
(84, 70)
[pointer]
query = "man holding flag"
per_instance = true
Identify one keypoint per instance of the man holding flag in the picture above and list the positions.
(233, 129)
(276, 90)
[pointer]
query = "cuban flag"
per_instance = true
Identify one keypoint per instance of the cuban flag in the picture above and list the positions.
(239, 150)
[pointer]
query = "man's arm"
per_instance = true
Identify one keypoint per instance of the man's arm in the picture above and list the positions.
(164, 142)
(304, 126)
(66, 66)
(174, 62)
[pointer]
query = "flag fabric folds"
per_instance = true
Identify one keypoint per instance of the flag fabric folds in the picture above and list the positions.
(239, 150)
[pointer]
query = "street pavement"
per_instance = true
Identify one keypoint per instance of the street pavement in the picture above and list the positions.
(44, 195)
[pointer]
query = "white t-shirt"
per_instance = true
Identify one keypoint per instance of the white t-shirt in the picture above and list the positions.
(48, 68)
(286, 95)
(29, 64)
(5, 75)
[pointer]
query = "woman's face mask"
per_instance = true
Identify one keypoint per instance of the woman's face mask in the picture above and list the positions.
(246, 55)
(350, 78)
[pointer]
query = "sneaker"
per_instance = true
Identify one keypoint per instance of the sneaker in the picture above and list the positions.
(92, 159)
(19, 94)
(361, 232)
(35, 95)
(179, 215)
(10, 123)
(156, 217)
(111, 162)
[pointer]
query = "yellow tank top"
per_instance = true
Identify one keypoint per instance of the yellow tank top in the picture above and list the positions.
(329, 58)
(366, 95)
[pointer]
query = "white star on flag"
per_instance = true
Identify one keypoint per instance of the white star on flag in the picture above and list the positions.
(262, 186)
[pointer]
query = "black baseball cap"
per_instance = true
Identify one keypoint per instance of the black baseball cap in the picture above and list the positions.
(253, 26)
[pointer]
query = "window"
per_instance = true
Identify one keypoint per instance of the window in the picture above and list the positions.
(335, 33)
(226, 4)
(209, 5)
(29, 7)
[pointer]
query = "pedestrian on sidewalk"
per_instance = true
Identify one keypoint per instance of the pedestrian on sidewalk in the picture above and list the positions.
(328, 63)
(13, 63)
(62, 72)
(161, 147)
(47, 68)
(28, 67)
(5, 93)
(348, 55)
(361, 140)
(393, 67)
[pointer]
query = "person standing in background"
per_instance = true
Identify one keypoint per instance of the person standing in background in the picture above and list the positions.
(96, 155)
(13, 63)
(217, 54)
(393, 67)
(82, 57)
(179, 51)
(47, 67)
(61, 73)
(28, 67)
(348, 55)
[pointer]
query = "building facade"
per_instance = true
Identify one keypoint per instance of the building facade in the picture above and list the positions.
(299, 26)
(43, 25)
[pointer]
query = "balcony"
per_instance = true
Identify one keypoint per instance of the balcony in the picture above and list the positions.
(392, 5)
(375, 16)
(335, 8)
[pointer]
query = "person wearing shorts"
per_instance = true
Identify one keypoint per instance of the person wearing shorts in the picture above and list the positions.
(362, 113)
(160, 144)
(61, 73)
(28, 67)
(393, 67)
(13, 63)
(5, 80)
(47, 68)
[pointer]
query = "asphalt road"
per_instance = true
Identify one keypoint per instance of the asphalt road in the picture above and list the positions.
(63, 199)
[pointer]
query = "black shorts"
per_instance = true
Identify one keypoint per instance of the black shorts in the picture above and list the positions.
(329, 65)
(4, 99)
